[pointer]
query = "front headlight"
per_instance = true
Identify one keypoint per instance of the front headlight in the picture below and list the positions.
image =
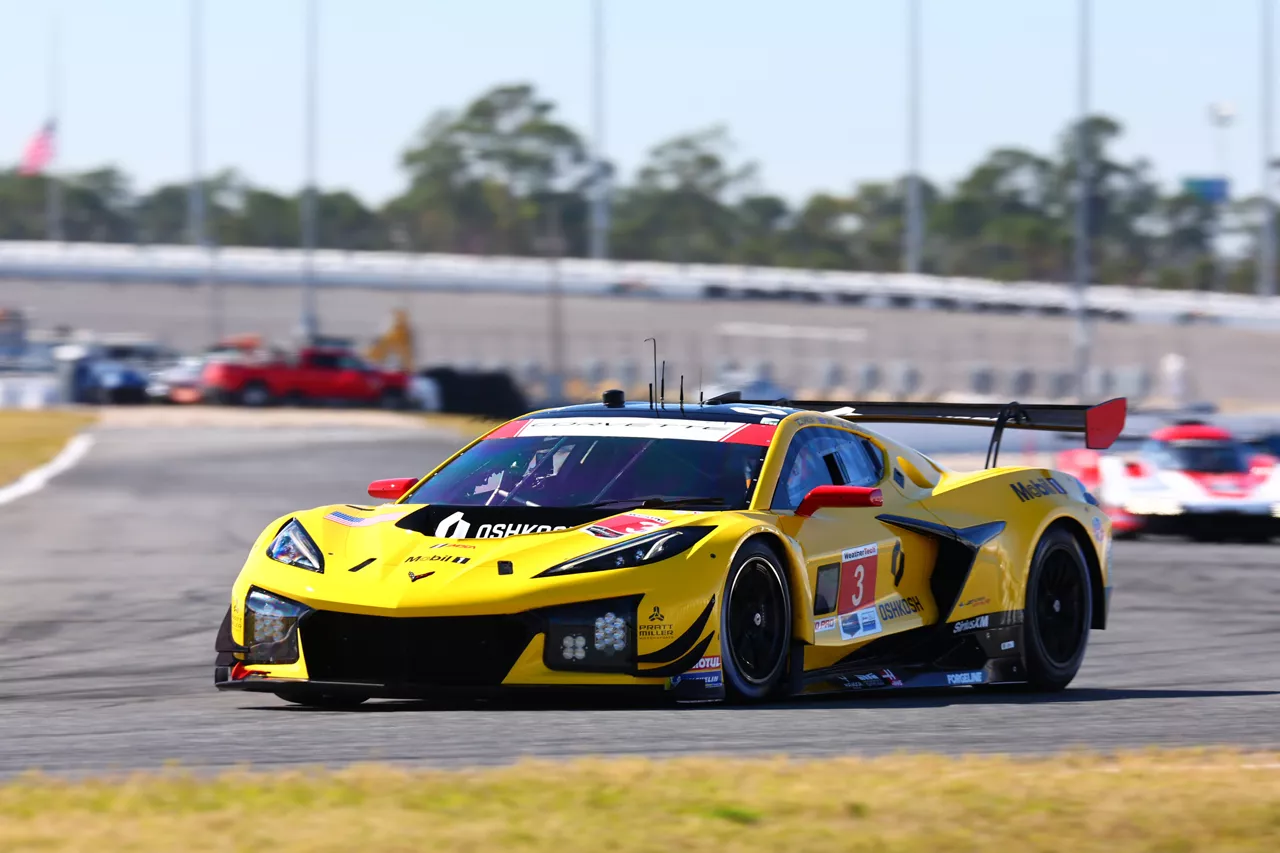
(271, 627)
(293, 547)
(637, 552)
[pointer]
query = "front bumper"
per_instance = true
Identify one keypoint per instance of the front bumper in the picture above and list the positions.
(423, 657)
(1208, 522)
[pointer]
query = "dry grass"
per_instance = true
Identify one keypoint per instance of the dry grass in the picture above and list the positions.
(31, 438)
(1154, 802)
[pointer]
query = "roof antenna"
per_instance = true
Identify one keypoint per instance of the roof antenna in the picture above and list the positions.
(654, 383)
(682, 393)
(700, 383)
(662, 388)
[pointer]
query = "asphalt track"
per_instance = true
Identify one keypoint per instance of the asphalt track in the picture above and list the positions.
(115, 577)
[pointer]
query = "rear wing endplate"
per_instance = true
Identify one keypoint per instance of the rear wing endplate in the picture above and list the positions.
(1101, 424)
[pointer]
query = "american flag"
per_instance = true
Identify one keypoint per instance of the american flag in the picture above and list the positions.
(39, 150)
(355, 521)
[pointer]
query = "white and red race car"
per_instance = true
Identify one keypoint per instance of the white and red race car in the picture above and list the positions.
(1192, 479)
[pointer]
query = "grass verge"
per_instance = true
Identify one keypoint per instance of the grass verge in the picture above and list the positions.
(1154, 802)
(29, 439)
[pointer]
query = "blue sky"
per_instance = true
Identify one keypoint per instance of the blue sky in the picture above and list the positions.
(814, 90)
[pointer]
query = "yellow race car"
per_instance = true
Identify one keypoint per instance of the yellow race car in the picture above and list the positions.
(728, 549)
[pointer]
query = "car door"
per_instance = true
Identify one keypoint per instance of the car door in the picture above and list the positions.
(869, 578)
(356, 380)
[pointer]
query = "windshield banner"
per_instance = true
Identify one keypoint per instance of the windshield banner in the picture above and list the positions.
(674, 428)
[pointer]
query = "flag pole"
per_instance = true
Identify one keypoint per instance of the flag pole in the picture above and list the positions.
(53, 188)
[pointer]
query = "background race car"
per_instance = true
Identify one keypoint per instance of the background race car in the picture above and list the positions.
(1190, 478)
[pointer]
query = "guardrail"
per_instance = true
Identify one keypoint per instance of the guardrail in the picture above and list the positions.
(106, 262)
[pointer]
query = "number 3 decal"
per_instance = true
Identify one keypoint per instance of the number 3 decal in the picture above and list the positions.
(858, 574)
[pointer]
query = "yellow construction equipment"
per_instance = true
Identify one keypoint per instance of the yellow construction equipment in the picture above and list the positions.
(393, 349)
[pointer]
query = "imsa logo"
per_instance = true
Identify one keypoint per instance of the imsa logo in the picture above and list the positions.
(1038, 487)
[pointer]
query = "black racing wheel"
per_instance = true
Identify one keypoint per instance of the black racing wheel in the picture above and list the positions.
(1058, 613)
(755, 623)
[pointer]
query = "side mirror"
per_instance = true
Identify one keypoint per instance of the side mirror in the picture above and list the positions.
(845, 497)
(391, 490)
(1261, 464)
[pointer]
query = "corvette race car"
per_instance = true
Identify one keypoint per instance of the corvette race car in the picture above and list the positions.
(1189, 478)
(731, 549)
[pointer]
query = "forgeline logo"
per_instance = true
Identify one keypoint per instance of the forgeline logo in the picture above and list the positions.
(964, 678)
(972, 624)
(1037, 488)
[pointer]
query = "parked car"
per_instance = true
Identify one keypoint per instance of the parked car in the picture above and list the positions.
(312, 375)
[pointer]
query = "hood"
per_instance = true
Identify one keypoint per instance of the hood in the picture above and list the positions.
(397, 556)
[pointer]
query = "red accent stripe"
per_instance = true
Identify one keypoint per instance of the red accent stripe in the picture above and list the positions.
(508, 430)
(760, 435)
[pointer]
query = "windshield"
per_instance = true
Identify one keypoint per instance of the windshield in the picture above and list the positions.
(568, 471)
(1208, 457)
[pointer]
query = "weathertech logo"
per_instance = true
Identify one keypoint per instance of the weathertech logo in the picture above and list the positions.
(972, 624)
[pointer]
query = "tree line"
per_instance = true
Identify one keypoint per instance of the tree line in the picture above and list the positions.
(504, 172)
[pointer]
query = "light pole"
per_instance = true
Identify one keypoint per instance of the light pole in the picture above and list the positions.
(552, 245)
(914, 235)
(307, 208)
(197, 230)
(1220, 117)
(600, 181)
(1083, 332)
(1267, 235)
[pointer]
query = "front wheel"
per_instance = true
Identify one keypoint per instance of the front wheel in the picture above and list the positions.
(1059, 611)
(755, 623)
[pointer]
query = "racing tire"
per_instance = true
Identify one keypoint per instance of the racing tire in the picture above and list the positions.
(327, 701)
(255, 394)
(1058, 612)
(755, 624)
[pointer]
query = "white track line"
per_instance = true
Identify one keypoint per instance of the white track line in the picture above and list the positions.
(35, 480)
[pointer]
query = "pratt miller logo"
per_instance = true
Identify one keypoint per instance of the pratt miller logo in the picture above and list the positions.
(656, 627)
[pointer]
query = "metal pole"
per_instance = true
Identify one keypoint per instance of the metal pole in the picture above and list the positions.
(197, 230)
(555, 305)
(915, 222)
(1083, 332)
(308, 206)
(1220, 116)
(53, 187)
(600, 182)
(1267, 237)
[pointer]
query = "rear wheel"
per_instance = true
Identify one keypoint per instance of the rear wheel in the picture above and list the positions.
(755, 623)
(330, 701)
(1059, 611)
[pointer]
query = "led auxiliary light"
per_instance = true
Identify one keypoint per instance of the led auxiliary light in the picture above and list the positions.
(611, 634)
(574, 647)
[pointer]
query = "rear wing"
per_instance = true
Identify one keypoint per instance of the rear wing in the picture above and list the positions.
(1101, 424)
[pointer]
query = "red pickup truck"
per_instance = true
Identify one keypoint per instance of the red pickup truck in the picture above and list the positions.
(312, 375)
